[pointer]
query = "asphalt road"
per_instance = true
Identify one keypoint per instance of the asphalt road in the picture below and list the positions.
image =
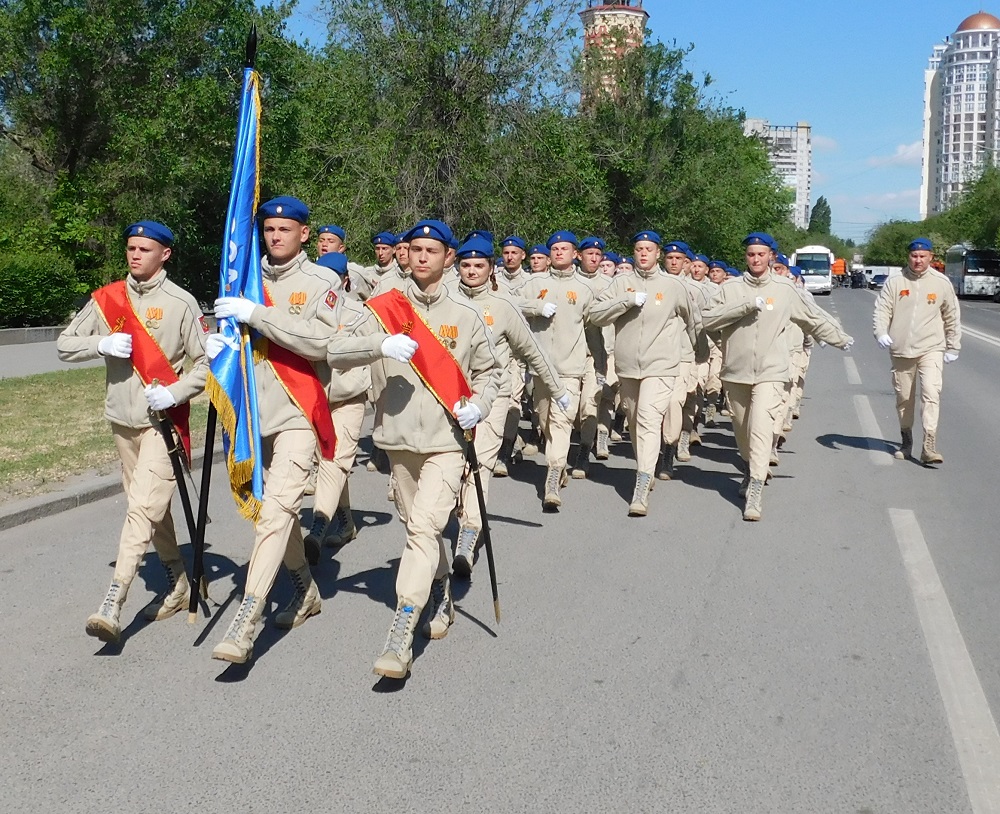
(35, 357)
(839, 656)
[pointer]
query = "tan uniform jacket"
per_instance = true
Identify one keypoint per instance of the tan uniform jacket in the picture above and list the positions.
(369, 276)
(407, 415)
(596, 343)
(347, 384)
(562, 337)
(397, 278)
(180, 333)
(754, 348)
(512, 337)
(696, 351)
(512, 284)
(924, 319)
(648, 340)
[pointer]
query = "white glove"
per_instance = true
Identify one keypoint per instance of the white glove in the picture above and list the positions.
(159, 397)
(549, 310)
(950, 357)
(640, 299)
(563, 402)
(214, 345)
(468, 416)
(759, 302)
(884, 341)
(399, 347)
(237, 308)
(846, 347)
(119, 345)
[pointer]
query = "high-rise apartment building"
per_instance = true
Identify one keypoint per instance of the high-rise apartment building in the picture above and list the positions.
(961, 111)
(790, 150)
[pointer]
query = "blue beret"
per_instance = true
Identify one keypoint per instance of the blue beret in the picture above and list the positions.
(676, 246)
(760, 239)
(152, 230)
(613, 257)
(333, 230)
(795, 270)
(717, 264)
(592, 242)
(629, 260)
(921, 244)
(479, 233)
(333, 260)
(433, 229)
(702, 257)
(781, 259)
(402, 237)
(649, 234)
(538, 248)
(561, 237)
(475, 247)
(514, 240)
(689, 254)
(284, 206)
(733, 272)
(384, 239)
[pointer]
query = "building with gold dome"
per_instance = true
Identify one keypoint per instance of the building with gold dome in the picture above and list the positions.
(961, 111)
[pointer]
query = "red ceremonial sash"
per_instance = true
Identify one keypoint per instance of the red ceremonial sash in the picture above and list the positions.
(303, 387)
(432, 362)
(148, 359)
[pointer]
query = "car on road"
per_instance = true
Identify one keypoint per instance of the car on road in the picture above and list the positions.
(877, 281)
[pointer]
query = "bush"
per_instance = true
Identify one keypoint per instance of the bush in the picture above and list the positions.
(38, 289)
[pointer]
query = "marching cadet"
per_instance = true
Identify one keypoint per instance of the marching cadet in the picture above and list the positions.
(384, 244)
(609, 264)
(626, 266)
(144, 327)
(649, 311)
(589, 254)
(347, 394)
(512, 278)
(421, 410)
(513, 340)
(752, 313)
(713, 384)
(294, 413)
(557, 305)
(538, 259)
(917, 319)
(333, 239)
(679, 420)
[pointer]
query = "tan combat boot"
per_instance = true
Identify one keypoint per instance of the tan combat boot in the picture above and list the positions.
(710, 413)
(684, 447)
(774, 461)
(929, 454)
(177, 597)
(237, 646)
(313, 540)
(442, 610)
(640, 497)
(603, 449)
(582, 466)
(755, 495)
(465, 552)
(397, 655)
(695, 440)
(345, 530)
(503, 458)
(906, 447)
(665, 465)
(304, 603)
(106, 623)
(553, 482)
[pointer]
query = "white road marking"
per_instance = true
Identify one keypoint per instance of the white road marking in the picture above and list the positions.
(973, 728)
(877, 451)
(853, 377)
(985, 337)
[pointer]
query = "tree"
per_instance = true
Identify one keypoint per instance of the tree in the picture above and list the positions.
(821, 219)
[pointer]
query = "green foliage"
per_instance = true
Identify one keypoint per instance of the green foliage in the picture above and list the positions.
(821, 218)
(37, 288)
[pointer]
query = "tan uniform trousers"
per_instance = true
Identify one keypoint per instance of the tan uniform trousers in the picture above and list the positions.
(713, 382)
(426, 490)
(905, 372)
(557, 426)
(784, 409)
(148, 480)
(609, 397)
(590, 395)
(676, 418)
(646, 402)
(800, 364)
(331, 482)
(489, 435)
(516, 371)
(288, 458)
(754, 408)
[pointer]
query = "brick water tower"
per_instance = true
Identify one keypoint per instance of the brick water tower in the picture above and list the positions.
(610, 30)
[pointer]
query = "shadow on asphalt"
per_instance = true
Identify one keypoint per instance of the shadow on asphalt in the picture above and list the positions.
(378, 584)
(836, 441)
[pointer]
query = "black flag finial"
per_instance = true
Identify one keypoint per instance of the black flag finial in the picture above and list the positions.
(252, 47)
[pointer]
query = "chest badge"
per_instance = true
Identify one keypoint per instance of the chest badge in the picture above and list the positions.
(571, 297)
(296, 300)
(153, 317)
(448, 334)
(658, 300)
(770, 303)
(932, 299)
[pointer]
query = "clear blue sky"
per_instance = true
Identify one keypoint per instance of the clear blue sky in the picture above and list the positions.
(853, 70)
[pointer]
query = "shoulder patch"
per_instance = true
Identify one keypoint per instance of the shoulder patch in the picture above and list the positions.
(204, 324)
(331, 299)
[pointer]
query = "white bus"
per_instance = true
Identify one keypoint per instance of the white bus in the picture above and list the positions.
(816, 263)
(973, 272)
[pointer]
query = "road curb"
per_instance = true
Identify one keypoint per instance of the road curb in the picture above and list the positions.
(19, 512)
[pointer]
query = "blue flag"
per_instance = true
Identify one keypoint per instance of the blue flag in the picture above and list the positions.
(231, 384)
